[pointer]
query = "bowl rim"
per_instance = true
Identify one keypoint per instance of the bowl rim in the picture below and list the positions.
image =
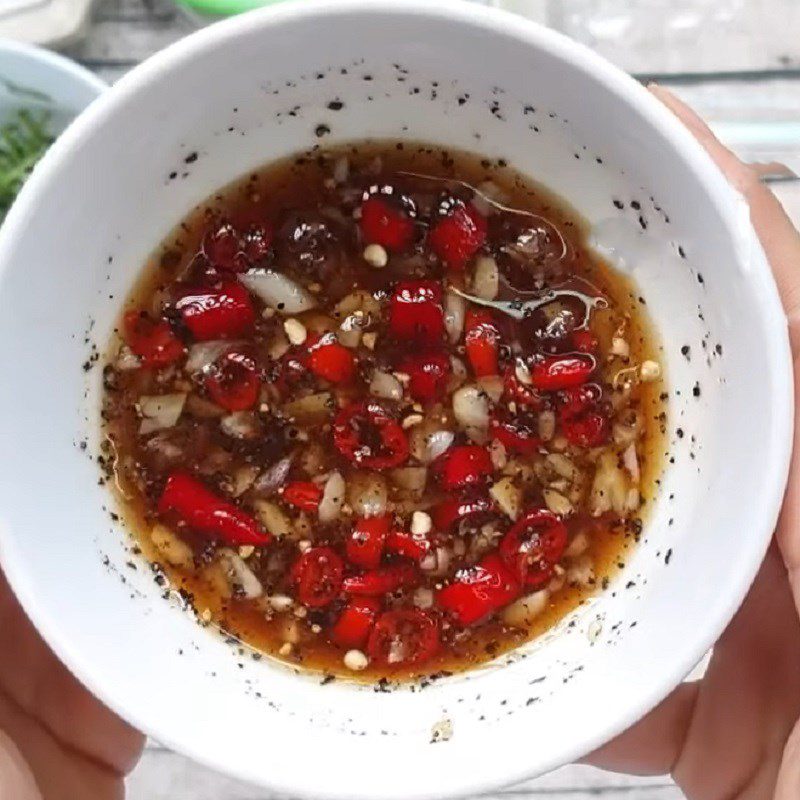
(722, 196)
(57, 62)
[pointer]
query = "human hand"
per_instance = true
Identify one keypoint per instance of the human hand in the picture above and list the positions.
(57, 742)
(736, 732)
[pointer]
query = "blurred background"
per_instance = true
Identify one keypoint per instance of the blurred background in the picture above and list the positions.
(736, 61)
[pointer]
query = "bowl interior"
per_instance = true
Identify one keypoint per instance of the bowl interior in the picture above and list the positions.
(257, 88)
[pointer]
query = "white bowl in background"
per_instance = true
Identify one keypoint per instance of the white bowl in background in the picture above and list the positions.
(104, 197)
(65, 88)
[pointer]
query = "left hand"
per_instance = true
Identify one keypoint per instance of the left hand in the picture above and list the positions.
(57, 742)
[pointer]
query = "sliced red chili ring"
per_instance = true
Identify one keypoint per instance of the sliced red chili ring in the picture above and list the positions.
(462, 466)
(479, 591)
(411, 545)
(317, 576)
(415, 313)
(329, 359)
(584, 341)
(456, 237)
(428, 374)
(257, 241)
(364, 546)
(353, 627)
(304, 495)
(381, 581)
(365, 434)
(403, 637)
(456, 509)
(521, 393)
(482, 342)
(533, 546)
(383, 223)
(221, 246)
(582, 421)
(517, 435)
(561, 372)
(229, 250)
(223, 312)
(206, 512)
(590, 429)
(578, 400)
(152, 340)
(233, 382)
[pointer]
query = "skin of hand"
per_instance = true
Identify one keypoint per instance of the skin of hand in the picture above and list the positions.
(57, 742)
(735, 734)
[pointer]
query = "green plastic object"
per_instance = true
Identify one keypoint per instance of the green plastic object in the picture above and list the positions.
(224, 8)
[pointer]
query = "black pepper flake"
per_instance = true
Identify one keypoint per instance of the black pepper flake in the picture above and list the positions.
(696, 390)
(642, 222)
(173, 175)
(686, 351)
(668, 556)
(679, 432)
(191, 158)
(618, 204)
(636, 205)
(700, 278)
(321, 130)
(336, 105)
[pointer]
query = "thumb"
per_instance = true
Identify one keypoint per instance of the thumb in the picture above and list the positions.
(779, 237)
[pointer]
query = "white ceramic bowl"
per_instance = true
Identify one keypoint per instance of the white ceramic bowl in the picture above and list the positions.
(103, 198)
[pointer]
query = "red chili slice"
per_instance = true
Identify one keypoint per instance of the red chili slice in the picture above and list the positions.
(385, 224)
(233, 383)
(584, 341)
(479, 591)
(228, 250)
(428, 373)
(520, 393)
(453, 510)
(404, 637)
(587, 430)
(364, 545)
(365, 434)
(517, 435)
(152, 340)
(561, 372)
(533, 546)
(355, 623)
(582, 421)
(224, 312)
(578, 400)
(458, 236)
(257, 241)
(482, 342)
(415, 313)
(462, 466)
(221, 246)
(207, 513)
(317, 576)
(330, 360)
(380, 581)
(304, 495)
(410, 545)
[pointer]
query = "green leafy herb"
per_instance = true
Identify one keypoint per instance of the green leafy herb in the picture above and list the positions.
(23, 141)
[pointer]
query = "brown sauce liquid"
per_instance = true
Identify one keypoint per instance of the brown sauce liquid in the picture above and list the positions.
(304, 183)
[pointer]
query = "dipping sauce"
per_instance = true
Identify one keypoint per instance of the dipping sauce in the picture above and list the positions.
(380, 412)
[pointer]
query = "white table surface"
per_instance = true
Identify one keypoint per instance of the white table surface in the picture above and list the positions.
(741, 62)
